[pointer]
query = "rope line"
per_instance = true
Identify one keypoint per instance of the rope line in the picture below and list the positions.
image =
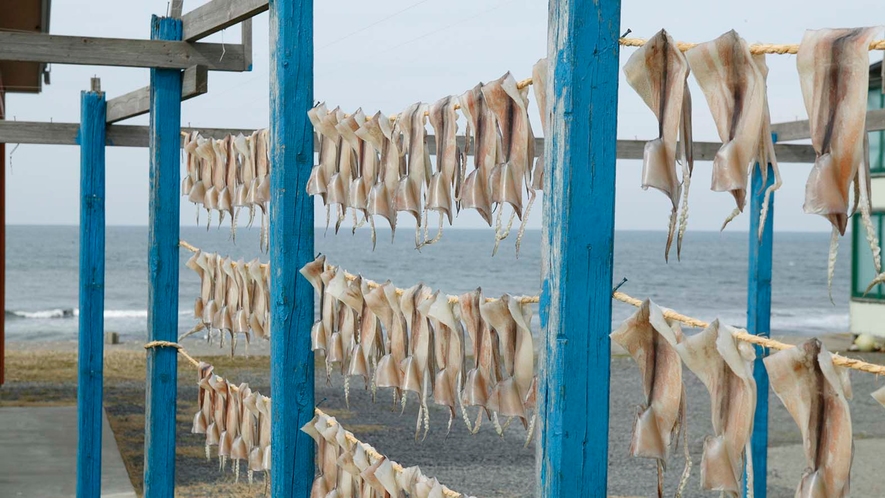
(347, 434)
(174, 345)
(740, 334)
(743, 335)
(756, 48)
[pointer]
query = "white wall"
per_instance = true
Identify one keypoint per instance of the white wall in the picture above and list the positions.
(877, 198)
(867, 318)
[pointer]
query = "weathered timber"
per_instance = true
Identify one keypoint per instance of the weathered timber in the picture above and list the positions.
(90, 356)
(30, 132)
(759, 318)
(291, 245)
(216, 15)
(92, 51)
(195, 81)
(800, 130)
(164, 203)
(577, 247)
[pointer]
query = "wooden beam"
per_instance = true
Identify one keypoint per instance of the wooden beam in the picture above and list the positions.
(195, 81)
(291, 140)
(163, 234)
(759, 317)
(30, 132)
(176, 8)
(246, 41)
(91, 51)
(577, 248)
(799, 130)
(91, 298)
(219, 14)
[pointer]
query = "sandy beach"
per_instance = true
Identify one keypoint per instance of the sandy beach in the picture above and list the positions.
(41, 373)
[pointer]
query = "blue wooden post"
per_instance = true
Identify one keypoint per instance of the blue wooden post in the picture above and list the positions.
(91, 331)
(578, 240)
(759, 319)
(291, 245)
(162, 363)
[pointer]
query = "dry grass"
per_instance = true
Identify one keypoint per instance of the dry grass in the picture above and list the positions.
(51, 366)
(49, 378)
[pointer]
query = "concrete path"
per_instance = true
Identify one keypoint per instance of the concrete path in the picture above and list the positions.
(39, 454)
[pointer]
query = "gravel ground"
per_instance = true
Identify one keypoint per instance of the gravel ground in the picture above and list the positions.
(483, 464)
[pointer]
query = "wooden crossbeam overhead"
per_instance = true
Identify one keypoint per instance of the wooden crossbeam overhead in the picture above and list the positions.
(92, 51)
(195, 81)
(799, 130)
(25, 132)
(217, 15)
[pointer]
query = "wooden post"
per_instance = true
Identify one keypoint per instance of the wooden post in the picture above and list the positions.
(162, 363)
(578, 240)
(291, 245)
(759, 318)
(91, 331)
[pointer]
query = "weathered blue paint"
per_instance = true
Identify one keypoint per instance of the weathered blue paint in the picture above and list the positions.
(291, 245)
(91, 330)
(759, 319)
(162, 363)
(578, 239)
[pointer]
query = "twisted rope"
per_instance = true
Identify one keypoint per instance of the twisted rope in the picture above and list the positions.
(347, 434)
(740, 334)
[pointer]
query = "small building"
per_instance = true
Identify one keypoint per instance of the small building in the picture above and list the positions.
(17, 77)
(867, 310)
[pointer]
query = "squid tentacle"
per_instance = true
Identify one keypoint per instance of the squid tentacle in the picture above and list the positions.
(831, 261)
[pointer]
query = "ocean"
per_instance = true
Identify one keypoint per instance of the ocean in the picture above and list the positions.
(709, 282)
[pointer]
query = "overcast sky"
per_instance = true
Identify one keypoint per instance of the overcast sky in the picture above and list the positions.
(386, 55)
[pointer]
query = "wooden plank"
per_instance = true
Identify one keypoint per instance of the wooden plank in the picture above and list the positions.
(577, 248)
(799, 130)
(91, 299)
(195, 81)
(175, 9)
(92, 51)
(30, 132)
(246, 42)
(219, 14)
(291, 245)
(759, 318)
(162, 363)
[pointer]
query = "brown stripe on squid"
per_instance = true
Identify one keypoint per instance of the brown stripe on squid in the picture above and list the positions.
(816, 393)
(481, 122)
(658, 72)
(735, 91)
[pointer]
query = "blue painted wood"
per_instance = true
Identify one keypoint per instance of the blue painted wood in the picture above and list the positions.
(91, 323)
(291, 245)
(578, 240)
(759, 319)
(162, 363)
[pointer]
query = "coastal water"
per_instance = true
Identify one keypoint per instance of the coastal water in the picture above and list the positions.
(709, 282)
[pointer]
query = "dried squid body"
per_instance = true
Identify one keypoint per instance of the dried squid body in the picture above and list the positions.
(725, 366)
(412, 184)
(444, 121)
(766, 154)
(735, 91)
(879, 395)
(652, 343)
(379, 201)
(512, 174)
(816, 394)
(833, 69)
(481, 128)
(658, 72)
